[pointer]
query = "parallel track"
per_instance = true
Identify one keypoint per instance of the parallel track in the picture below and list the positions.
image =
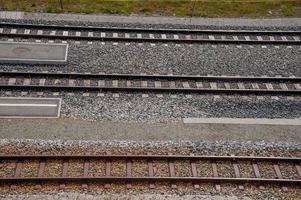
(150, 83)
(150, 160)
(147, 35)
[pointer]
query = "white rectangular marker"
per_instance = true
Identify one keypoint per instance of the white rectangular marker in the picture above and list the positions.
(18, 107)
(28, 105)
(33, 53)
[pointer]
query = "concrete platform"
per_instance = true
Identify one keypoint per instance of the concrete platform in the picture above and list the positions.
(29, 107)
(33, 53)
(76, 129)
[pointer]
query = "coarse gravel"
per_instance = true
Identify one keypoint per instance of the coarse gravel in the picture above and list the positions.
(161, 59)
(260, 148)
(153, 109)
(76, 196)
(172, 59)
(159, 147)
(220, 23)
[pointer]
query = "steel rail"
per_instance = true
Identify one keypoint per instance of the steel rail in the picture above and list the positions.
(145, 76)
(155, 30)
(108, 178)
(156, 157)
(157, 179)
(151, 89)
(124, 39)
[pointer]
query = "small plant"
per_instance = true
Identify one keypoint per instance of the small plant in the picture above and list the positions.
(287, 11)
(51, 9)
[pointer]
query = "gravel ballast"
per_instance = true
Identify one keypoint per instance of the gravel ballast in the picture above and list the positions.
(183, 59)
(75, 196)
(135, 108)
(154, 109)
(172, 59)
(203, 59)
(157, 21)
(122, 147)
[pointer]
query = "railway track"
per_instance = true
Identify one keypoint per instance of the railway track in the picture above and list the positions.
(59, 32)
(42, 81)
(187, 165)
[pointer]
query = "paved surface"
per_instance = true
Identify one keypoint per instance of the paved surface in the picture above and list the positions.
(48, 129)
(29, 107)
(11, 15)
(243, 121)
(33, 53)
(284, 22)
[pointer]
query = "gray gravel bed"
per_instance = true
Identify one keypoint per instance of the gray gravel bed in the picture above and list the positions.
(156, 25)
(30, 146)
(184, 59)
(154, 109)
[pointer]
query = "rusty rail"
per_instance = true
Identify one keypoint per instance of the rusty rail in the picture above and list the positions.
(150, 160)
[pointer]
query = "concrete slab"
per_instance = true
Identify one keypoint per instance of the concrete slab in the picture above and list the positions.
(11, 14)
(243, 121)
(16, 107)
(76, 129)
(33, 53)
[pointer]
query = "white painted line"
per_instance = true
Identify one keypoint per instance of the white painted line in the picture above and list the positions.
(29, 105)
(243, 121)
